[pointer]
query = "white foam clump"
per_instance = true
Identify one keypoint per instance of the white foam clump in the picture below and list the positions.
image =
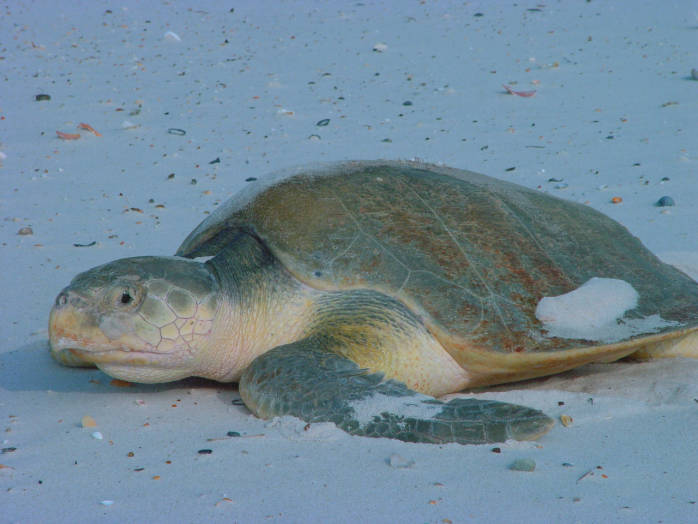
(594, 311)
(411, 407)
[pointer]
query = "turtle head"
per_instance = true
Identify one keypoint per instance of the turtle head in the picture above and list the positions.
(141, 319)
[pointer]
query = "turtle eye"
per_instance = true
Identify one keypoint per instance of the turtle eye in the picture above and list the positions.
(126, 297)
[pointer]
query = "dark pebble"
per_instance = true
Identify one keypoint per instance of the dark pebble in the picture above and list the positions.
(170, 176)
(510, 169)
(665, 201)
(233, 434)
(496, 450)
(205, 451)
(176, 131)
(8, 450)
(251, 179)
(387, 140)
(323, 122)
(89, 244)
(216, 161)
(193, 181)
(139, 469)
(42, 98)
(407, 103)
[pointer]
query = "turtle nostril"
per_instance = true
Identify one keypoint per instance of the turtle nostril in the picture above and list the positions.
(62, 299)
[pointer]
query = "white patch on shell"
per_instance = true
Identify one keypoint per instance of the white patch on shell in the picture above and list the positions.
(409, 407)
(594, 311)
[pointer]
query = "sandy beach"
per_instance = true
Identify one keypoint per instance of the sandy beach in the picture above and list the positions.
(184, 101)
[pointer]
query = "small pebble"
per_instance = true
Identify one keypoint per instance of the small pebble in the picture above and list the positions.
(323, 122)
(176, 131)
(42, 97)
(616, 200)
(407, 103)
(172, 37)
(523, 465)
(380, 47)
(205, 451)
(566, 420)
(665, 201)
(233, 434)
(97, 435)
(88, 422)
(251, 179)
(25, 231)
(399, 462)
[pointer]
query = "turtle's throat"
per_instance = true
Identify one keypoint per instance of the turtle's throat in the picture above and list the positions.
(262, 306)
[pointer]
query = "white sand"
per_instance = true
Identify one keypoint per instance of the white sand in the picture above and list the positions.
(614, 113)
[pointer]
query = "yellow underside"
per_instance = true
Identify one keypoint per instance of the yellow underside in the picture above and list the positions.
(489, 367)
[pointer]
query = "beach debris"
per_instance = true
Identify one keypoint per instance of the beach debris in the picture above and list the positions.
(216, 160)
(97, 435)
(592, 473)
(670, 103)
(616, 200)
(525, 464)
(8, 450)
(176, 131)
(127, 124)
(88, 127)
(24, 231)
(88, 422)
(120, 383)
(525, 94)
(665, 201)
(89, 244)
(67, 136)
(42, 97)
(224, 500)
(397, 461)
(566, 420)
(323, 122)
(380, 47)
(171, 36)
(107, 502)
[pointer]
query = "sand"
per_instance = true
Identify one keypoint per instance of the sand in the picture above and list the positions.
(193, 98)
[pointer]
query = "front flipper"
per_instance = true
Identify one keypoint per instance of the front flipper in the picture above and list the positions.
(308, 380)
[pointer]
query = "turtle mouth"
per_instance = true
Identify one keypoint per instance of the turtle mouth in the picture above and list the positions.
(101, 354)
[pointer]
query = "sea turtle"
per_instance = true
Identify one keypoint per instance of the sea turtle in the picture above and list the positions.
(357, 293)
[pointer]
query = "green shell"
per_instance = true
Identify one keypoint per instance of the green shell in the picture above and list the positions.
(470, 254)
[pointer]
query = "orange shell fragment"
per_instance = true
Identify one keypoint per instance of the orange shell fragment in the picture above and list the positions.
(89, 128)
(67, 136)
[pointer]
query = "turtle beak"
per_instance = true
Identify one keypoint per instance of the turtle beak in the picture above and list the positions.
(71, 328)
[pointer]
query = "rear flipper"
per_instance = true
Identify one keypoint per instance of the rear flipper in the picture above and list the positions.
(308, 380)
